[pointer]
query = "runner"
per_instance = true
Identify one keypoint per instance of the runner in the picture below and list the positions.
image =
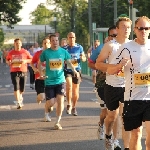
(54, 80)
(17, 59)
(100, 83)
(89, 53)
(39, 83)
(72, 82)
(114, 88)
(134, 57)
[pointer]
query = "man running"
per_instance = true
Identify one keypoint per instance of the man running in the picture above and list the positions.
(114, 88)
(39, 83)
(54, 76)
(100, 83)
(17, 59)
(134, 58)
(73, 82)
(89, 53)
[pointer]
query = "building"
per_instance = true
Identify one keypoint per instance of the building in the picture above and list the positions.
(29, 34)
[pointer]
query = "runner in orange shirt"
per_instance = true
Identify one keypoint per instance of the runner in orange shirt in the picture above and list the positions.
(17, 59)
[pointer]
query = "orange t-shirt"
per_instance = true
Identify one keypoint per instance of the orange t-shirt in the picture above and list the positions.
(16, 58)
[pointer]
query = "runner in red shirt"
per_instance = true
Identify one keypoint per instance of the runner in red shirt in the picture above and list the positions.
(18, 59)
(39, 83)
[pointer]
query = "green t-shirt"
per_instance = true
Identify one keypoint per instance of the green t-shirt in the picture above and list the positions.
(1, 53)
(54, 65)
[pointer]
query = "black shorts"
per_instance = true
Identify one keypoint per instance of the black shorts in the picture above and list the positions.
(51, 91)
(100, 96)
(75, 80)
(113, 95)
(134, 113)
(39, 86)
(19, 80)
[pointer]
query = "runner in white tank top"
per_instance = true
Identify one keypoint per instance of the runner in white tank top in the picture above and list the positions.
(114, 89)
(134, 57)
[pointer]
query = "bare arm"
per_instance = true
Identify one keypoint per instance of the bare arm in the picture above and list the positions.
(104, 54)
(34, 68)
(89, 52)
(91, 65)
(72, 67)
(40, 68)
(83, 57)
(114, 69)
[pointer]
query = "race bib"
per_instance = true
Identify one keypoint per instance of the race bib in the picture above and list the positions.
(74, 62)
(55, 64)
(142, 79)
(16, 61)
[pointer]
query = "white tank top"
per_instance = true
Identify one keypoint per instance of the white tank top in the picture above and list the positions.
(115, 80)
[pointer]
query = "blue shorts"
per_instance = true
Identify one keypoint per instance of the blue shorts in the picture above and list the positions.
(51, 91)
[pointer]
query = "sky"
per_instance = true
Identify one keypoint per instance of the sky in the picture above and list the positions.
(28, 7)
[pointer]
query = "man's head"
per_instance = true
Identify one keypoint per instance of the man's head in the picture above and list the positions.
(63, 42)
(142, 29)
(71, 38)
(123, 27)
(112, 32)
(96, 43)
(46, 43)
(36, 45)
(17, 44)
(54, 41)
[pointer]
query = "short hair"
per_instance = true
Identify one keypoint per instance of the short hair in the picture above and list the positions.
(111, 28)
(122, 19)
(17, 39)
(71, 33)
(143, 17)
(64, 39)
(52, 35)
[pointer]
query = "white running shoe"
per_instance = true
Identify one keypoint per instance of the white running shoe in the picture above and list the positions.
(57, 126)
(100, 132)
(47, 118)
(109, 144)
(117, 145)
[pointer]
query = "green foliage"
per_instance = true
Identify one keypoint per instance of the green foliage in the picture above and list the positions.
(41, 15)
(1, 37)
(9, 10)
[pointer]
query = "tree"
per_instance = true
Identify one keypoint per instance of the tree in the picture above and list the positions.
(41, 15)
(9, 10)
(1, 37)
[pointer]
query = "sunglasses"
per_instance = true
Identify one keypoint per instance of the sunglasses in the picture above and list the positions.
(142, 28)
(113, 35)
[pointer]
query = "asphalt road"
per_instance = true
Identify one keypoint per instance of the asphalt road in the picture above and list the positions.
(26, 130)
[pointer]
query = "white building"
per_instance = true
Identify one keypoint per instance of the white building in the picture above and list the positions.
(28, 33)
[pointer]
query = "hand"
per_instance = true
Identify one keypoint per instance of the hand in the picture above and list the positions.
(43, 77)
(76, 74)
(35, 70)
(124, 62)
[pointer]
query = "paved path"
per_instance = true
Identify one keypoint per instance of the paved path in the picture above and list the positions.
(25, 129)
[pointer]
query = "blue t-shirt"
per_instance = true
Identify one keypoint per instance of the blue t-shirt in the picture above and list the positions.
(54, 65)
(75, 53)
(96, 52)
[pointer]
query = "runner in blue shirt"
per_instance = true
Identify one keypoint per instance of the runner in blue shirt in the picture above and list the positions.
(73, 82)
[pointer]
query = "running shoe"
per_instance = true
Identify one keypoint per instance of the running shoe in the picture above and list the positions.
(117, 145)
(19, 106)
(94, 89)
(109, 144)
(57, 126)
(100, 132)
(68, 111)
(74, 112)
(47, 118)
